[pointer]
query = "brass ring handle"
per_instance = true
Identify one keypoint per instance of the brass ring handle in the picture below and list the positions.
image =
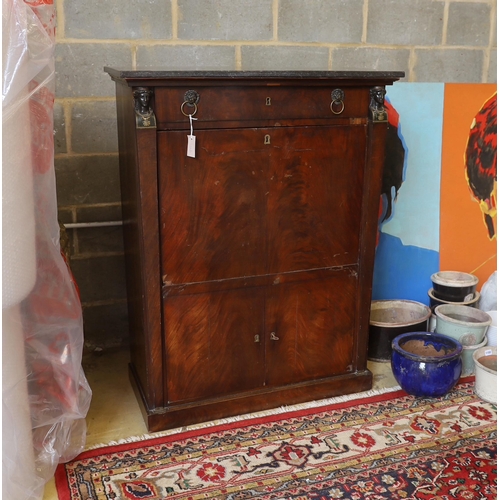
(190, 104)
(273, 336)
(341, 109)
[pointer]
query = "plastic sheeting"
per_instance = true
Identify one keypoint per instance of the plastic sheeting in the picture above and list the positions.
(488, 299)
(45, 395)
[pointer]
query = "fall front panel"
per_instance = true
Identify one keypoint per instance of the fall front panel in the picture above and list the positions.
(259, 201)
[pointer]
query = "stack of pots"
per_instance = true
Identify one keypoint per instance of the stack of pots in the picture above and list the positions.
(452, 287)
(454, 301)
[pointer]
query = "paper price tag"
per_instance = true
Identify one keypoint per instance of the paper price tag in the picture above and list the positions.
(191, 149)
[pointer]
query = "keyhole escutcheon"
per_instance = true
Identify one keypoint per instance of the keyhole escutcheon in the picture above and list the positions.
(268, 101)
(267, 139)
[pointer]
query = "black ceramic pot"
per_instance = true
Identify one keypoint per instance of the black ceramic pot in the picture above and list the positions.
(454, 286)
(390, 318)
(434, 301)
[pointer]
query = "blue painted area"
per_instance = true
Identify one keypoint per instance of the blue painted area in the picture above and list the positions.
(403, 271)
(416, 208)
(408, 250)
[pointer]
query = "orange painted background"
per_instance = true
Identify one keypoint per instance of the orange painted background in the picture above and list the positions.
(464, 242)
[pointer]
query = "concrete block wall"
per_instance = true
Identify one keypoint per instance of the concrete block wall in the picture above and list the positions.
(431, 40)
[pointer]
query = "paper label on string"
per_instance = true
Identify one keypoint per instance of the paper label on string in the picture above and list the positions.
(191, 149)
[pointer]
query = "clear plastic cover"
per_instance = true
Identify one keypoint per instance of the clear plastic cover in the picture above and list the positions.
(45, 395)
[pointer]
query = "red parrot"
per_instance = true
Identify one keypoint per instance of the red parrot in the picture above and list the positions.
(481, 161)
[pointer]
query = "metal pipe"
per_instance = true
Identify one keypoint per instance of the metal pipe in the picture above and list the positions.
(80, 225)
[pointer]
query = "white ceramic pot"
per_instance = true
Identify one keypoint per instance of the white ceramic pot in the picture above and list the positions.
(465, 324)
(467, 360)
(485, 365)
(432, 323)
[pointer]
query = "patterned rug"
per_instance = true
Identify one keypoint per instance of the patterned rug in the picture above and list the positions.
(386, 446)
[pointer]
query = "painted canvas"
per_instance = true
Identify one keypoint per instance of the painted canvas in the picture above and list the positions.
(468, 239)
(408, 247)
(438, 203)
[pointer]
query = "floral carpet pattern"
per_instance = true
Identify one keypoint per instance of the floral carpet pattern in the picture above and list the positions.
(389, 446)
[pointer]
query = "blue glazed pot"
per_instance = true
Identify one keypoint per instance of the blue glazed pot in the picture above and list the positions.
(426, 364)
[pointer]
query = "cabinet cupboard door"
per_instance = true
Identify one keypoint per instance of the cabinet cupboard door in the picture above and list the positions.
(314, 326)
(213, 344)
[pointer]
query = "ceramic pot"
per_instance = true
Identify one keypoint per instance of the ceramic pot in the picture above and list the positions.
(454, 286)
(467, 359)
(390, 318)
(485, 364)
(465, 324)
(434, 301)
(426, 364)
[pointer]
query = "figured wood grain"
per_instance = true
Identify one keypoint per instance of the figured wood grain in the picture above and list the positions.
(313, 204)
(266, 102)
(211, 349)
(246, 208)
(213, 207)
(313, 329)
(251, 264)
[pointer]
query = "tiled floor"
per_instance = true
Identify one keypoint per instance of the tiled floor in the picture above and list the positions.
(114, 413)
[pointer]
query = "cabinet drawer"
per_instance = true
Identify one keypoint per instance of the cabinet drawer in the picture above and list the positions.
(258, 103)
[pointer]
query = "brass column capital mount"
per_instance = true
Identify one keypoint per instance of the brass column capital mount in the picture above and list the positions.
(377, 108)
(144, 114)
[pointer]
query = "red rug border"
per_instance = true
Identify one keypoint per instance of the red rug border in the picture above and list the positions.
(62, 486)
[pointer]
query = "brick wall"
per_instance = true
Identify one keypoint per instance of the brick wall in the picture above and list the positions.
(431, 40)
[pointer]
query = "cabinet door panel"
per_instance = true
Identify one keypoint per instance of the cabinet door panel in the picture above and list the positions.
(314, 325)
(213, 207)
(313, 205)
(210, 343)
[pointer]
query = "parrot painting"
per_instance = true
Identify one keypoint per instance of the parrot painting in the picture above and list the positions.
(481, 162)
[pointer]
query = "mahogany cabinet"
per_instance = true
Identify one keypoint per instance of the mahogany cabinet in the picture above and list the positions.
(249, 261)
